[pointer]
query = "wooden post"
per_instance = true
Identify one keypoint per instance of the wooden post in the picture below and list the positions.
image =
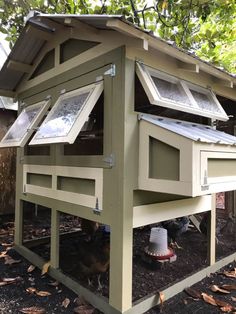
(55, 222)
(212, 232)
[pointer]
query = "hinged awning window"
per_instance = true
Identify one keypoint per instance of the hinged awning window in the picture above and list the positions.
(170, 92)
(25, 124)
(68, 115)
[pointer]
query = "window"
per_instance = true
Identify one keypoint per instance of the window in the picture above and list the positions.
(68, 115)
(170, 92)
(24, 126)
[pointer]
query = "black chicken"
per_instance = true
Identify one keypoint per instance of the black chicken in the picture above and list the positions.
(175, 227)
(94, 259)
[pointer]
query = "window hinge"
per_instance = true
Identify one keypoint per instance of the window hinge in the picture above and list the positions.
(111, 71)
(110, 160)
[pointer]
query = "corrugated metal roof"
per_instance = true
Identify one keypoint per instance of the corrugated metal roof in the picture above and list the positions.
(28, 46)
(193, 131)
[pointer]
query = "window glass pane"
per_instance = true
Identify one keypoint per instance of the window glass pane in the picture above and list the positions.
(61, 119)
(171, 90)
(22, 123)
(205, 101)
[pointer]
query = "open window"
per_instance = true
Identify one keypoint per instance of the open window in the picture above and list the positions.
(170, 92)
(25, 124)
(68, 115)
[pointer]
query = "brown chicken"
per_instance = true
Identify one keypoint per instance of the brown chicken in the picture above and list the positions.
(89, 227)
(94, 259)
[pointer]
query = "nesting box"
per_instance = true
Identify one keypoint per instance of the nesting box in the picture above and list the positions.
(116, 126)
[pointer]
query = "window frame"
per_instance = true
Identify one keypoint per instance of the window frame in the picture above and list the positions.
(95, 91)
(145, 74)
(31, 128)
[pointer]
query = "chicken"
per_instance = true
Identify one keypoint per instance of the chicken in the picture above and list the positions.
(94, 259)
(204, 224)
(89, 227)
(175, 227)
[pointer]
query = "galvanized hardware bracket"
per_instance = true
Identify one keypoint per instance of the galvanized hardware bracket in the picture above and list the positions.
(63, 91)
(48, 97)
(205, 185)
(97, 210)
(110, 160)
(24, 189)
(111, 71)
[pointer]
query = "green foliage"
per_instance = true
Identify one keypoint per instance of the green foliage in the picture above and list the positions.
(206, 27)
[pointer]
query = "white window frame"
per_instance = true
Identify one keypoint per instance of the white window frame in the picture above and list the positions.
(95, 90)
(145, 74)
(31, 128)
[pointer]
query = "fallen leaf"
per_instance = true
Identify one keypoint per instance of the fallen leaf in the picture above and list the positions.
(9, 260)
(222, 303)
(31, 290)
(193, 293)
(161, 298)
(227, 309)
(229, 287)
(215, 288)
(65, 303)
(3, 254)
(45, 268)
(33, 310)
(30, 269)
(231, 274)
(208, 299)
(84, 309)
(43, 293)
(8, 281)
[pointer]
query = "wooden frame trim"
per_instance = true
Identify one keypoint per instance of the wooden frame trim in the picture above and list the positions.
(154, 213)
(145, 74)
(181, 187)
(95, 174)
(94, 91)
(43, 105)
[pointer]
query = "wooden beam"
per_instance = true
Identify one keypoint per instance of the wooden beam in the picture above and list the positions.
(19, 66)
(7, 93)
(39, 33)
(80, 25)
(223, 82)
(191, 67)
(153, 213)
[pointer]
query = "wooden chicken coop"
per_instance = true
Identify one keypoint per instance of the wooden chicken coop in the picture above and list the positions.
(120, 127)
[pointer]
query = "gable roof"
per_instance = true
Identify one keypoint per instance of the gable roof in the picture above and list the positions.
(27, 47)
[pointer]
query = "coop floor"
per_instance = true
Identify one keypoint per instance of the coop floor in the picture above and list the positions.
(146, 279)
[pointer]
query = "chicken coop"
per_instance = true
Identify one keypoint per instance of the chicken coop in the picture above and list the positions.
(119, 127)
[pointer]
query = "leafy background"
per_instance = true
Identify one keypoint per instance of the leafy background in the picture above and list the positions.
(205, 27)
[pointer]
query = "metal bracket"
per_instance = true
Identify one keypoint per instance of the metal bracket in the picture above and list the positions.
(97, 210)
(110, 160)
(111, 71)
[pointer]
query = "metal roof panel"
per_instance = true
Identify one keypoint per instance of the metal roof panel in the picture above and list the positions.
(192, 131)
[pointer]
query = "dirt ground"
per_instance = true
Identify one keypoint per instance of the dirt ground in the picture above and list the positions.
(147, 278)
